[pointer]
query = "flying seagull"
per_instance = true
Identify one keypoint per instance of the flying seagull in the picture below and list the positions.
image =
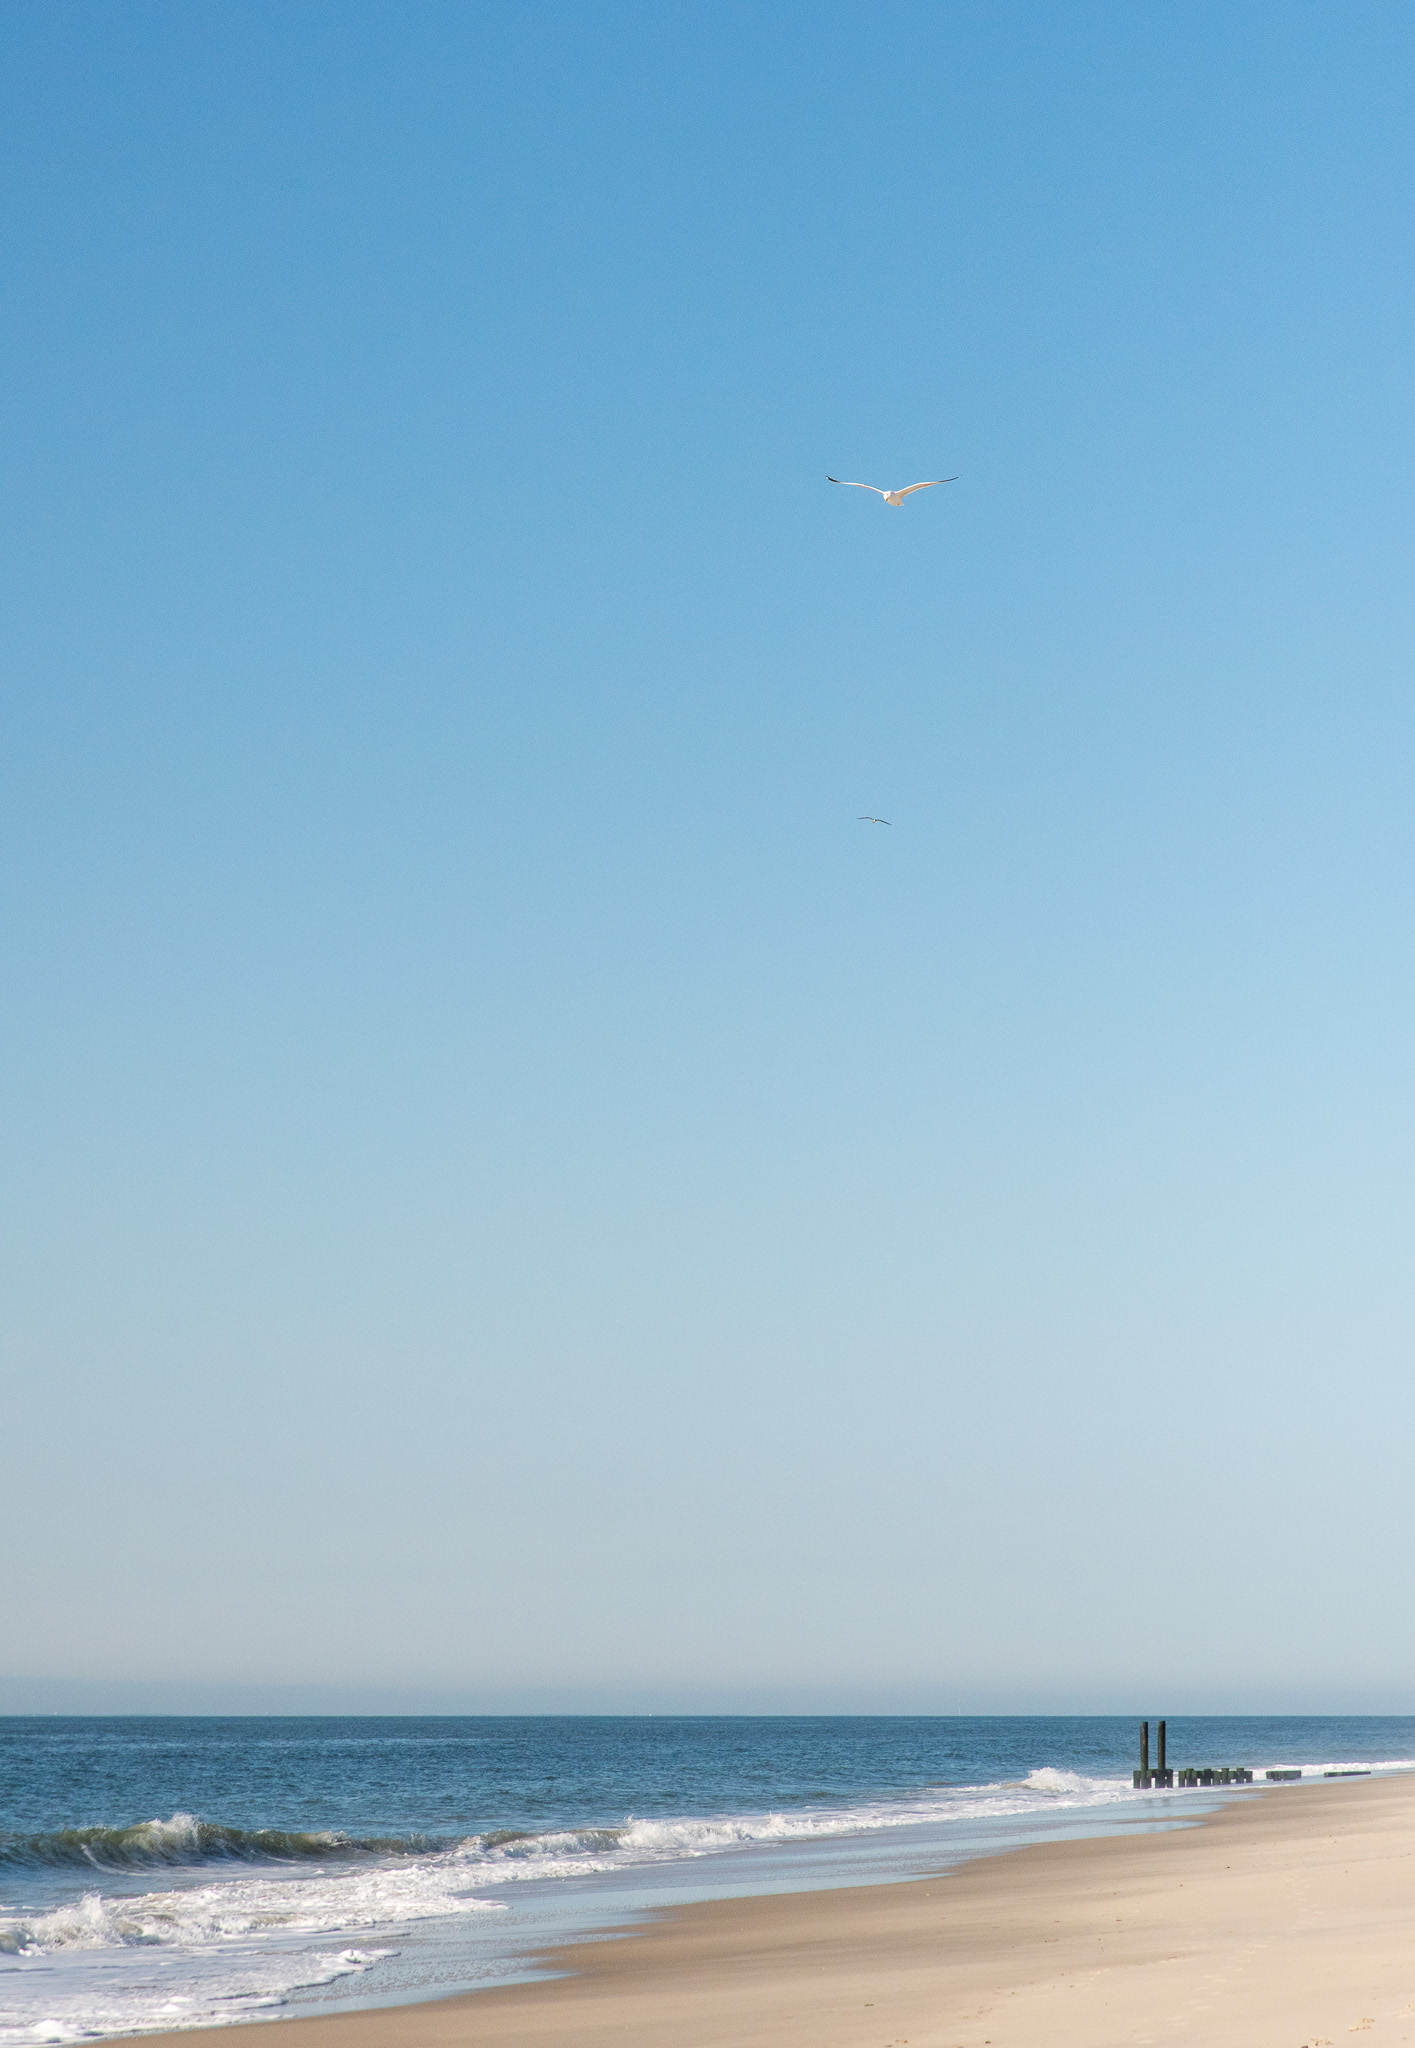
(865, 819)
(893, 497)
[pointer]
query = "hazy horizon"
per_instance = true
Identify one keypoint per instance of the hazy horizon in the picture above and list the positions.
(215, 1702)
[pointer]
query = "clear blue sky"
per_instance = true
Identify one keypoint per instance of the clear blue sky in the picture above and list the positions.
(512, 1196)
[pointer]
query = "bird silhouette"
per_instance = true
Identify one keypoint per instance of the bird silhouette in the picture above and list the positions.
(892, 497)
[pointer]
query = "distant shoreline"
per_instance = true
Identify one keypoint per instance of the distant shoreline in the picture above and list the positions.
(1285, 1918)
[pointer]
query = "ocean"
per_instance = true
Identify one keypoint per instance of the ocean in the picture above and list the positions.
(169, 1872)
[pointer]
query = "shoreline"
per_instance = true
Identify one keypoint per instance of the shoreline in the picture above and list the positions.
(1287, 1916)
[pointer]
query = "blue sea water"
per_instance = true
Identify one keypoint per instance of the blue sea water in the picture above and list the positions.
(169, 1872)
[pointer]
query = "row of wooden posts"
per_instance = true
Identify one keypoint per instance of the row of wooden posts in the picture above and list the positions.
(1164, 1776)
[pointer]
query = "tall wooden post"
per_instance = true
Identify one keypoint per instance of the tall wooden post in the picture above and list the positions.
(1161, 1754)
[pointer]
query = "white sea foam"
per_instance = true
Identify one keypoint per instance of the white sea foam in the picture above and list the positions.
(202, 1954)
(235, 1909)
(654, 1841)
(77, 2005)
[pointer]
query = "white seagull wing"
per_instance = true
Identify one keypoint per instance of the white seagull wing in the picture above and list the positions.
(925, 487)
(858, 487)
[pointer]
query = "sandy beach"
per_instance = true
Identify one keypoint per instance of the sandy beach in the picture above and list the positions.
(1288, 1918)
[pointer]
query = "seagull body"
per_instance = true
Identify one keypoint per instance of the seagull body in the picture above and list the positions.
(892, 497)
(865, 819)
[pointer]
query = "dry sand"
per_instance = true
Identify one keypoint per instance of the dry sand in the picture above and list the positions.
(1285, 1921)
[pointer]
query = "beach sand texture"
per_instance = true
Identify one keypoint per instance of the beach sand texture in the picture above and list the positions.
(1284, 1921)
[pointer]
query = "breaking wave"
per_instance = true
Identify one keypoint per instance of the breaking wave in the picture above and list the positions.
(184, 1840)
(1063, 1783)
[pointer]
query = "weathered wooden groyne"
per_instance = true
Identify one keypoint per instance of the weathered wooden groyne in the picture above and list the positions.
(1164, 1777)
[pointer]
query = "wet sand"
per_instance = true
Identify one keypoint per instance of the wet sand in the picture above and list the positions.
(1286, 1920)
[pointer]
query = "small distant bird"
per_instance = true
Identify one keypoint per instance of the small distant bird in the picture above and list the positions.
(892, 497)
(865, 819)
